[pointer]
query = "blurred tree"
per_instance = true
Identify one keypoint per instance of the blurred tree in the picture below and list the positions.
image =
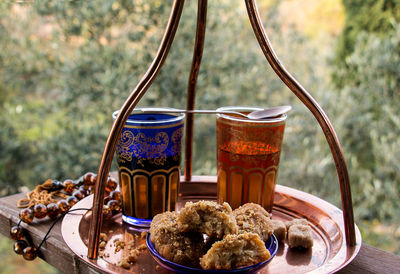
(369, 118)
(366, 75)
(69, 64)
(372, 16)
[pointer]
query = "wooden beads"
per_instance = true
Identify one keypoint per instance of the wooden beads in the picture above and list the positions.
(26, 215)
(72, 200)
(53, 210)
(16, 233)
(63, 206)
(107, 212)
(78, 194)
(114, 205)
(77, 190)
(69, 186)
(115, 195)
(40, 211)
(19, 246)
(29, 253)
(111, 184)
(89, 179)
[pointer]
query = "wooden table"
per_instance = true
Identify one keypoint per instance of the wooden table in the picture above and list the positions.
(56, 252)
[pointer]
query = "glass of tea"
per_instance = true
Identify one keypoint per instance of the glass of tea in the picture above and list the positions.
(148, 158)
(248, 153)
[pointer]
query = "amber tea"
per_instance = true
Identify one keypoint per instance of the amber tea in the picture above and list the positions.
(248, 153)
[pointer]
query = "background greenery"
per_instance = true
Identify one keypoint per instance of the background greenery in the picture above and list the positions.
(65, 66)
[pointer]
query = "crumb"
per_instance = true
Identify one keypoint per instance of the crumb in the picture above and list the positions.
(124, 263)
(130, 245)
(102, 245)
(119, 245)
(142, 247)
(279, 229)
(207, 217)
(300, 236)
(131, 258)
(103, 237)
(234, 251)
(133, 255)
(143, 234)
(157, 267)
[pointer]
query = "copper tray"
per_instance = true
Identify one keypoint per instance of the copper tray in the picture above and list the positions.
(329, 253)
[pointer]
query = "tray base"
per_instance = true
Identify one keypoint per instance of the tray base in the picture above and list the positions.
(329, 253)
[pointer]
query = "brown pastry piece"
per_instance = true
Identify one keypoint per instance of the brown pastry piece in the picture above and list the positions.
(279, 229)
(211, 218)
(234, 251)
(295, 222)
(300, 236)
(254, 218)
(181, 248)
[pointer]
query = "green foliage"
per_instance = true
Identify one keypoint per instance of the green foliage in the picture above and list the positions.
(13, 263)
(61, 82)
(367, 74)
(372, 16)
(371, 125)
(71, 75)
(385, 236)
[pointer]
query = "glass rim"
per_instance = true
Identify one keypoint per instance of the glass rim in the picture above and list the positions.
(281, 118)
(174, 117)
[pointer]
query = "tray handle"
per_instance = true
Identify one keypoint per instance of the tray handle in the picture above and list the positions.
(191, 97)
(115, 132)
(318, 113)
(151, 74)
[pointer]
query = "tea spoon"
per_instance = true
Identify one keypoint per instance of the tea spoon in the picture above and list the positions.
(254, 115)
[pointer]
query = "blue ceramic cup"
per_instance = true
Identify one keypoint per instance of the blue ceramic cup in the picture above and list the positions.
(148, 158)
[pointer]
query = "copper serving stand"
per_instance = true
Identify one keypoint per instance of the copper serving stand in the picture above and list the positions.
(329, 253)
(317, 213)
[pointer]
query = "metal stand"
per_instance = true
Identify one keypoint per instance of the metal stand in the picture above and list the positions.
(151, 74)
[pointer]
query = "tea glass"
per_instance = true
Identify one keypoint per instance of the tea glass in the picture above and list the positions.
(148, 158)
(248, 154)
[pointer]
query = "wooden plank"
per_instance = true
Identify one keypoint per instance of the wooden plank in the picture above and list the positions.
(373, 260)
(56, 252)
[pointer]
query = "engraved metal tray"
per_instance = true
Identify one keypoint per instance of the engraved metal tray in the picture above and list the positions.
(329, 253)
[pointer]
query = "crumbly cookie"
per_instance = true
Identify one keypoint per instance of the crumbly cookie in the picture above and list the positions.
(211, 218)
(254, 218)
(181, 248)
(300, 236)
(234, 251)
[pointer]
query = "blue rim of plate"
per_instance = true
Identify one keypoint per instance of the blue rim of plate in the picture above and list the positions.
(271, 244)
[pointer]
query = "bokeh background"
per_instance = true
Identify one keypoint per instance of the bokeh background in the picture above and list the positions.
(65, 66)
